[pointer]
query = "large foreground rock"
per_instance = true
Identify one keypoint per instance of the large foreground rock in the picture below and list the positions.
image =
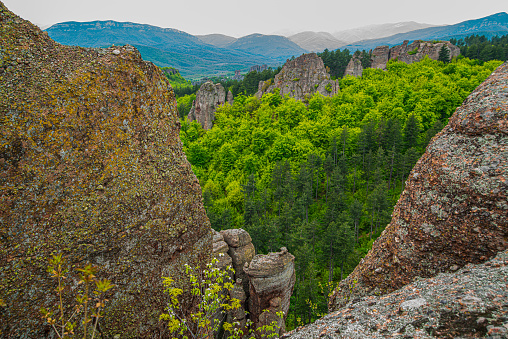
(91, 166)
(470, 303)
(454, 208)
(301, 78)
(208, 98)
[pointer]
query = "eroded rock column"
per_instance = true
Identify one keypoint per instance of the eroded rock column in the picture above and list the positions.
(271, 281)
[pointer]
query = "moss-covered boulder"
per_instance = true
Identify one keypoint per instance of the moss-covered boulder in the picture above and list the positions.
(91, 166)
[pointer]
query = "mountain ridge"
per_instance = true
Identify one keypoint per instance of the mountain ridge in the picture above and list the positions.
(495, 24)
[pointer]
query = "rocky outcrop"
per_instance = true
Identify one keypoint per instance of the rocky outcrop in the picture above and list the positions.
(411, 52)
(380, 57)
(208, 98)
(354, 67)
(453, 210)
(220, 250)
(91, 166)
(301, 78)
(470, 303)
(241, 250)
(258, 68)
(264, 283)
(271, 281)
(230, 98)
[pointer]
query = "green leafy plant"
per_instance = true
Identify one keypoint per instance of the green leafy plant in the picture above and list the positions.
(211, 287)
(63, 326)
(413, 52)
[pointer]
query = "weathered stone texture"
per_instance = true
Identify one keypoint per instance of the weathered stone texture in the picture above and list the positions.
(380, 57)
(263, 282)
(208, 98)
(241, 250)
(410, 52)
(454, 208)
(271, 281)
(91, 166)
(301, 78)
(469, 303)
(220, 250)
(354, 67)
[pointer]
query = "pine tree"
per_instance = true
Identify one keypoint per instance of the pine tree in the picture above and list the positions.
(444, 54)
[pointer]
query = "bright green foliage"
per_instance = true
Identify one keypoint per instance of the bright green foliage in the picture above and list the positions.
(62, 324)
(211, 289)
(184, 104)
(316, 177)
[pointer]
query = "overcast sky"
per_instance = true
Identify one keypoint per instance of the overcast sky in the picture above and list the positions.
(238, 17)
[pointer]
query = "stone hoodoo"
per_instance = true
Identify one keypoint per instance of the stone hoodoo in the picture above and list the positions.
(263, 282)
(241, 250)
(454, 208)
(380, 57)
(91, 166)
(354, 67)
(208, 98)
(271, 281)
(220, 250)
(301, 78)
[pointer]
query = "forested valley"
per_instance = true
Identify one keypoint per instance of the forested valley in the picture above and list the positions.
(322, 177)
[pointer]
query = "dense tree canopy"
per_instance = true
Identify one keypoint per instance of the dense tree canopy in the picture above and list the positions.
(322, 177)
(483, 49)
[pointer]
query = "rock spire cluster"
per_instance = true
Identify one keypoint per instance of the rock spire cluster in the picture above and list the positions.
(301, 78)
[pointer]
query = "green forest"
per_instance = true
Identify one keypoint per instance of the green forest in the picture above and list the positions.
(322, 177)
(480, 48)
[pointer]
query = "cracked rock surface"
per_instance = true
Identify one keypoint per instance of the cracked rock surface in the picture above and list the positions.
(470, 303)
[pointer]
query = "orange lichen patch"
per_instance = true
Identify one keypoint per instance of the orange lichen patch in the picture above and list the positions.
(91, 166)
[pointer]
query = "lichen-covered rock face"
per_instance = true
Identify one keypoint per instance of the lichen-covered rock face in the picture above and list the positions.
(208, 98)
(301, 78)
(92, 167)
(469, 303)
(271, 281)
(454, 208)
(411, 52)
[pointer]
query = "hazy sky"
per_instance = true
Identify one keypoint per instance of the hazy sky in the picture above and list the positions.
(238, 17)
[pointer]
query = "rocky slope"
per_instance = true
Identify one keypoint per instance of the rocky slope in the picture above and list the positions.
(208, 98)
(91, 166)
(454, 208)
(301, 78)
(471, 303)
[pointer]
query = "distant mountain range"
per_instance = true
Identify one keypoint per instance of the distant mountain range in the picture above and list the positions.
(492, 25)
(274, 46)
(212, 54)
(316, 41)
(377, 31)
(162, 46)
